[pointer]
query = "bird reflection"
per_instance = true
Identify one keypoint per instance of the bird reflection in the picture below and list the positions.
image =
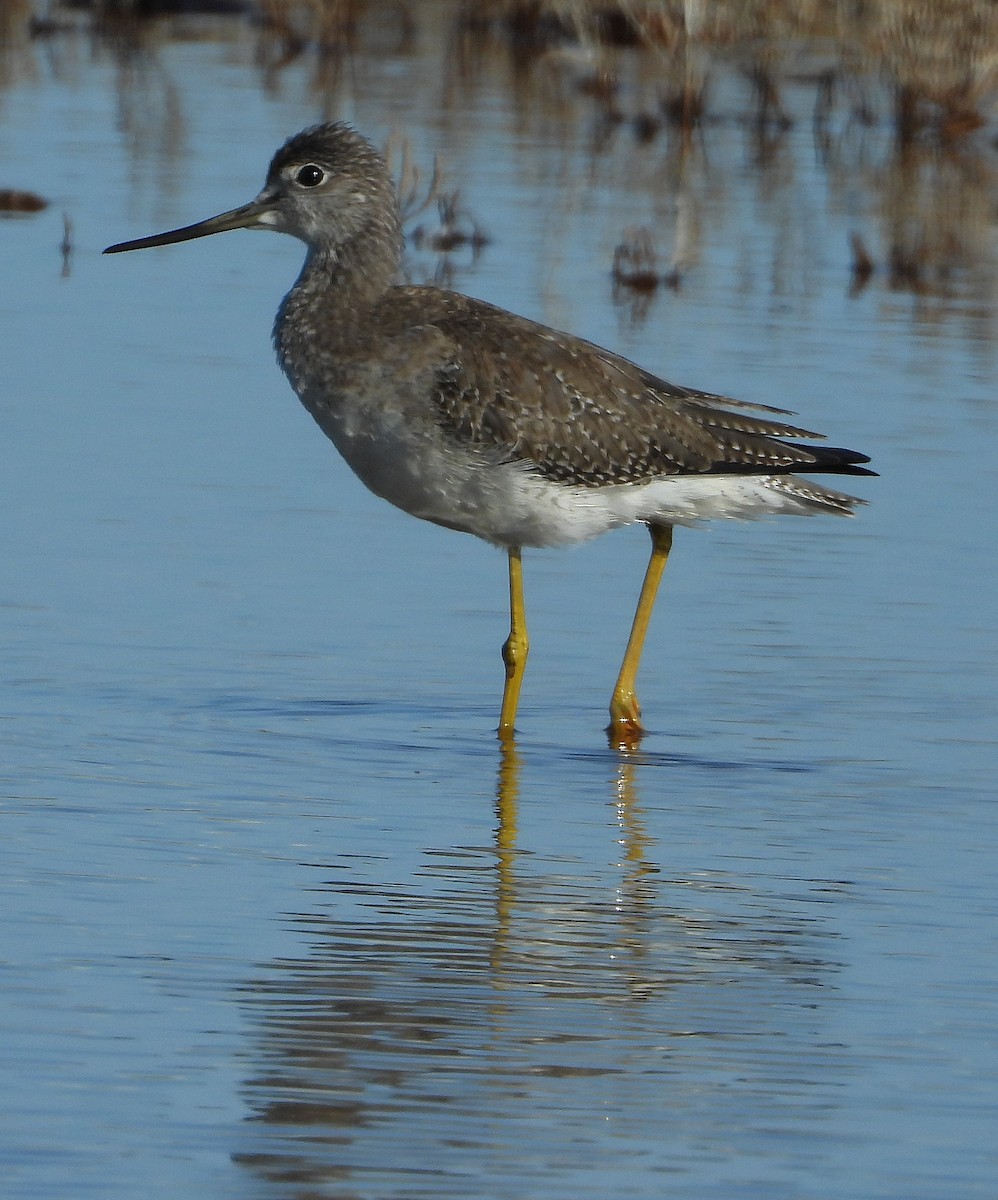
(436, 1019)
(507, 799)
(639, 875)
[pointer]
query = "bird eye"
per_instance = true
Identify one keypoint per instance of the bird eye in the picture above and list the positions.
(310, 175)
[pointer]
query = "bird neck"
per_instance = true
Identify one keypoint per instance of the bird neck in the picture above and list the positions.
(329, 306)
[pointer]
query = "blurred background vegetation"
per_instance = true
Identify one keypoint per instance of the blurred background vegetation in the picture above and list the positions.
(899, 94)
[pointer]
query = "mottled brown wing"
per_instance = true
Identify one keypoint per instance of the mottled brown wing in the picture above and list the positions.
(583, 415)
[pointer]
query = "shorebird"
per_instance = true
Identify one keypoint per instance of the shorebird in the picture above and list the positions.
(482, 421)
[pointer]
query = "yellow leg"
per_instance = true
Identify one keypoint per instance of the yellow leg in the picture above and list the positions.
(515, 649)
(625, 712)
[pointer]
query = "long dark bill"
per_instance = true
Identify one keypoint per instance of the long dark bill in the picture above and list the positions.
(255, 213)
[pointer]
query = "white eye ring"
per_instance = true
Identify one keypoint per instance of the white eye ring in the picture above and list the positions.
(310, 175)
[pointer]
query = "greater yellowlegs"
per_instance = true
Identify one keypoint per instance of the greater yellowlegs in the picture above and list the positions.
(479, 420)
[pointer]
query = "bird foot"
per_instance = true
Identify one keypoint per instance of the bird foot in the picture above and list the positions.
(625, 734)
(625, 730)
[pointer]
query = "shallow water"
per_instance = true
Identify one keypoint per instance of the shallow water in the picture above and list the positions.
(280, 918)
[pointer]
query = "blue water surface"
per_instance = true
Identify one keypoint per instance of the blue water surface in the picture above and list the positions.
(280, 918)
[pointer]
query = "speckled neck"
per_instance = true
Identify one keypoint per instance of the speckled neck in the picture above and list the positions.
(329, 309)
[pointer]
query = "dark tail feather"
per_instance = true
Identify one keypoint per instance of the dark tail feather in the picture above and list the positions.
(832, 460)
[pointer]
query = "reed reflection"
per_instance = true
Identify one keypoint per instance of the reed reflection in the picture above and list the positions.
(894, 97)
(506, 1009)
